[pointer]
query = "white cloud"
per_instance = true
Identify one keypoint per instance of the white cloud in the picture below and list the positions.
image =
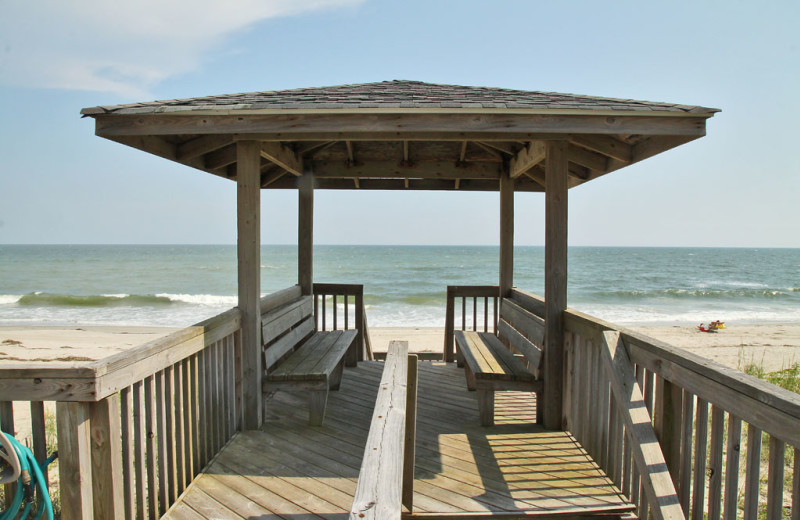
(120, 46)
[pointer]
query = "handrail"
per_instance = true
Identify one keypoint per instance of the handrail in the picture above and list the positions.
(330, 319)
(489, 314)
(385, 480)
(134, 429)
(680, 388)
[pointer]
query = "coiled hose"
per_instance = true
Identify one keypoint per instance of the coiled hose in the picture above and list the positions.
(30, 486)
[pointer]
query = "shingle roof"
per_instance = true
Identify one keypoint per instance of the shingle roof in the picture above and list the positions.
(397, 94)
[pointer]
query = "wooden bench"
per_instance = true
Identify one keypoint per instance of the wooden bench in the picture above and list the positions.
(299, 358)
(508, 361)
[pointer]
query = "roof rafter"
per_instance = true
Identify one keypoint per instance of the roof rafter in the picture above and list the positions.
(533, 154)
(283, 156)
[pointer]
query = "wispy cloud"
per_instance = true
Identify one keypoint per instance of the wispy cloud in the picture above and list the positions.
(123, 47)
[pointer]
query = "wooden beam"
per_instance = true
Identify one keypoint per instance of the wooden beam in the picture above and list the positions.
(656, 480)
(418, 170)
(412, 126)
(311, 148)
(506, 234)
(555, 288)
(305, 233)
(202, 145)
(523, 184)
(489, 149)
(499, 148)
(605, 145)
(220, 158)
(284, 157)
(271, 177)
(405, 154)
(527, 158)
(587, 158)
(463, 153)
(356, 182)
(351, 160)
(248, 178)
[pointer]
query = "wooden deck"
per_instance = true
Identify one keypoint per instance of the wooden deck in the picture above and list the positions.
(291, 470)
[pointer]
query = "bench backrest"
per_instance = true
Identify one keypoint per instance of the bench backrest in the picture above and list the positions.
(522, 331)
(285, 327)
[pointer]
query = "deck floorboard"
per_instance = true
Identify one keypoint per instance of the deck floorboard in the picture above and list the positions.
(290, 470)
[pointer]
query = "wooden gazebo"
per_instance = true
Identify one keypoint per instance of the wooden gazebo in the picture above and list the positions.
(404, 135)
(621, 426)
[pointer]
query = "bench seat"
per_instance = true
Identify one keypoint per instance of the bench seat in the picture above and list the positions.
(490, 365)
(316, 366)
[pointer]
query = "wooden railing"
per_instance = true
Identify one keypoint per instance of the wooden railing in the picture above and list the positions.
(699, 411)
(332, 308)
(134, 429)
(464, 312)
(386, 477)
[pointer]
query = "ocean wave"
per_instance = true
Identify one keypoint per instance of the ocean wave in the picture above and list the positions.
(42, 299)
(699, 293)
(6, 299)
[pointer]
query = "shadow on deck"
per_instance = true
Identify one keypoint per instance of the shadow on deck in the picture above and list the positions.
(291, 470)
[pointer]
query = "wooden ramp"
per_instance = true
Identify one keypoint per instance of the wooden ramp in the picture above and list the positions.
(293, 471)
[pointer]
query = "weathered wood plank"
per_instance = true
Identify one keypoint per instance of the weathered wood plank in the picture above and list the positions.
(305, 232)
(775, 478)
(555, 281)
(75, 462)
(341, 127)
(752, 473)
(646, 452)
(379, 491)
(107, 459)
(730, 501)
(249, 267)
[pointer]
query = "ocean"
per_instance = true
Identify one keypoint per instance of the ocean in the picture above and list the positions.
(404, 286)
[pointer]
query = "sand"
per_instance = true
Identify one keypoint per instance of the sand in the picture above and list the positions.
(773, 346)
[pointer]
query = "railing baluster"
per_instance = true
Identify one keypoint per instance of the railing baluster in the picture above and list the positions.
(715, 463)
(731, 499)
(126, 411)
(151, 421)
(775, 478)
(139, 443)
(685, 488)
(752, 473)
(796, 486)
(700, 452)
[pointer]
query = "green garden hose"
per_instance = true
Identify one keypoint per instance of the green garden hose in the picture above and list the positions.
(31, 485)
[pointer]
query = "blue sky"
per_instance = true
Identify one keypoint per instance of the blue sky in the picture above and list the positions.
(738, 186)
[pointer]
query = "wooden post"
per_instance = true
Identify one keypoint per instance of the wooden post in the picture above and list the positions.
(411, 433)
(107, 458)
(248, 177)
(555, 285)
(305, 233)
(667, 419)
(506, 233)
(74, 460)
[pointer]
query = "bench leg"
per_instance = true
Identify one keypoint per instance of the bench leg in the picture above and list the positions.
(486, 406)
(351, 356)
(459, 358)
(470, 379)
(317, 401)
(335, 379)
(539, 408)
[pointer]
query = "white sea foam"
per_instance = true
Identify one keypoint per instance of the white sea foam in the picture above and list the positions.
(6, 299)
(209, 300)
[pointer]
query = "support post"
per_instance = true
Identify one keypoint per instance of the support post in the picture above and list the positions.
(305, 233)
(106, 457)
(75, 460)
(555, 284)
(248, 180)
(506, 233)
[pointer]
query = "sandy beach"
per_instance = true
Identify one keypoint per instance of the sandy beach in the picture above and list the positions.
(773, 346)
